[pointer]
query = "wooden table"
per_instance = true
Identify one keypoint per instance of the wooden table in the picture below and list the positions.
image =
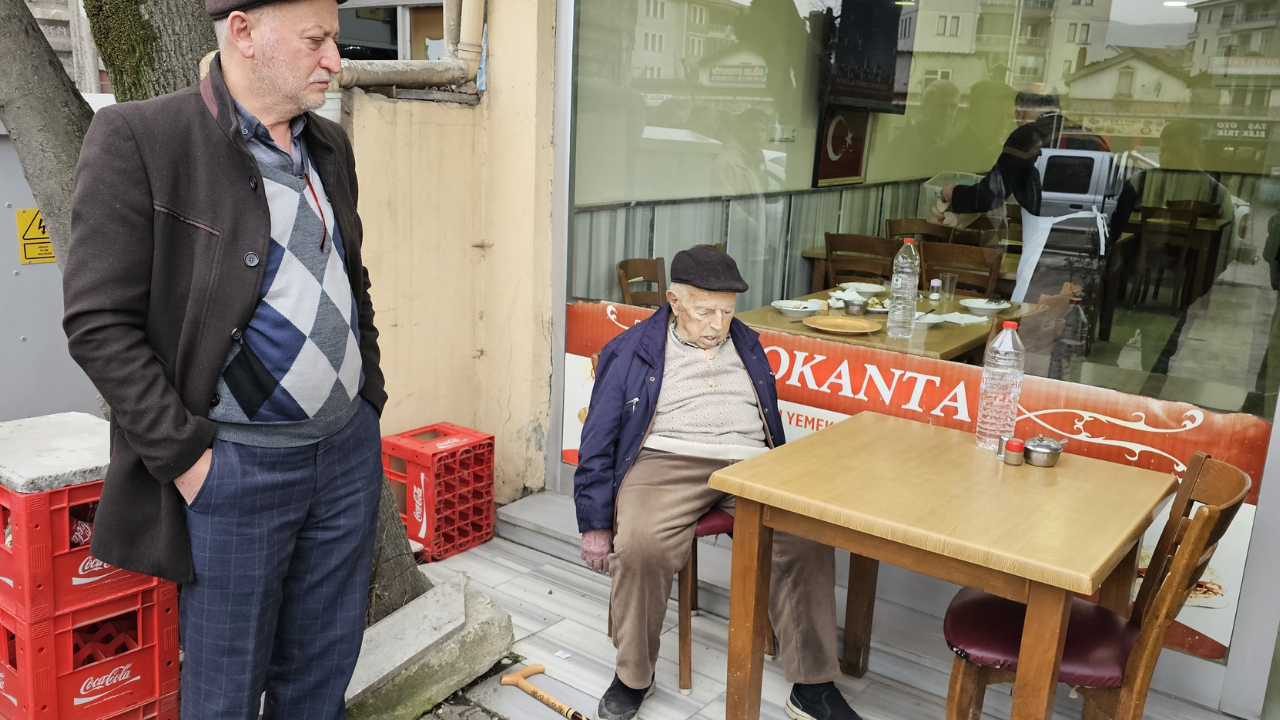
(944, 341)
(1208, 236)
(818, 281)
(865, 484)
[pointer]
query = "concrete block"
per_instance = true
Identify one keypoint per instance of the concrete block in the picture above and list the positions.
(449, 665)
(53, 451)
(406, 636)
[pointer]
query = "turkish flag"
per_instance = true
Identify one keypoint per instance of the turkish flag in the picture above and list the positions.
(842, 147)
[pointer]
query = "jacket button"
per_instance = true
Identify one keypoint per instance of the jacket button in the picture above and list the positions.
(650, 379)
(214, 401)
(236, 334)
(766, 409)
(253, 182)
(251, 259)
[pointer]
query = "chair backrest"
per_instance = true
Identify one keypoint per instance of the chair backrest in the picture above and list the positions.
(852, 258)
(1168, 226)
(1206, 502)
(643, 270)
(715, 246)
(919, 229)
(1199, 207)
(977, 268)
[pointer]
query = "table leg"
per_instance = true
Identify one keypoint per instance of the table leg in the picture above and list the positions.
(748, 609)
(1043, 636)
(858, 612)
(1118, 587)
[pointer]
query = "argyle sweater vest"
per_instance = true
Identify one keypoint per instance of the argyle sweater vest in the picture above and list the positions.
(294, 375)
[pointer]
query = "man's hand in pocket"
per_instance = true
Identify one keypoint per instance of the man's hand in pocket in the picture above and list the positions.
(190, 482)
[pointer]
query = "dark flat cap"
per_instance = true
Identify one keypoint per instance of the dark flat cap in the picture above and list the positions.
(707, 268)
(219, 9)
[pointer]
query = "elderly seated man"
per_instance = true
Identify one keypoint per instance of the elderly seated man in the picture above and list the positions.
(677, 397)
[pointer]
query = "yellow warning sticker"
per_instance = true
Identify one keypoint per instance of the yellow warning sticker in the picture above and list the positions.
(34, 245)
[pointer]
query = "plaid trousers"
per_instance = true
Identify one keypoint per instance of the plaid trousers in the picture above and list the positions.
(282, 540)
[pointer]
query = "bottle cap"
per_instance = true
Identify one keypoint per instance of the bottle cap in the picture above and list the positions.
(909, 241)
(1010, 325)
(1014, 445)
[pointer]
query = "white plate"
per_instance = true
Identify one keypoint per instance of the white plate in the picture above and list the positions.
(881, 309)
(797, 308)
(864, 288)
(930, 319)
(982, 306)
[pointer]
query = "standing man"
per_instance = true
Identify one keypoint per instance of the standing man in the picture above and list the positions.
(677, 397)
(216, 297)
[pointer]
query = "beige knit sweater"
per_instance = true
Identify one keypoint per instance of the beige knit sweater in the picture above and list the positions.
(706, 407)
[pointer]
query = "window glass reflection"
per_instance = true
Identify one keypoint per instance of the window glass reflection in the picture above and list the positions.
(1121, 151)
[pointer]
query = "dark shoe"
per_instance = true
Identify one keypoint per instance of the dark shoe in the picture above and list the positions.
(818, 702)
(621, 702)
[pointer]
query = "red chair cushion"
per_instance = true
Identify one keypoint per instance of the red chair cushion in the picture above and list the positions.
(987, 631)
(714, 522)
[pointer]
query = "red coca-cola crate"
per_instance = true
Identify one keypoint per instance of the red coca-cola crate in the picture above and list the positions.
(104, 661)
(41, 574)
(442, 476)
(166, 708)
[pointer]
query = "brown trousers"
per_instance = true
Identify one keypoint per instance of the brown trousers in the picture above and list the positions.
(658, 507)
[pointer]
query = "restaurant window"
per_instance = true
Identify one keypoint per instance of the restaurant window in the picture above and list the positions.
(369, 33)
(1124, 83)
(767, 136)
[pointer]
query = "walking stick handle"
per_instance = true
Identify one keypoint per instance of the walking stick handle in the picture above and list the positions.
(518, 679)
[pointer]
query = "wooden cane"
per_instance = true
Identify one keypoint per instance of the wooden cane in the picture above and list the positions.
(518, 679)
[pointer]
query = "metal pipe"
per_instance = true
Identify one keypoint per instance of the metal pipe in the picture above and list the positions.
(471, 35)
(403, 73)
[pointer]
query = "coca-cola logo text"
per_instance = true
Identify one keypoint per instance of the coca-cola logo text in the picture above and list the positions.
(443, 444)
(92, 564)
(118, 675)
(417, 502)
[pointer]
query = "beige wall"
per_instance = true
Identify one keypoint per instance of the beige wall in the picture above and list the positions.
(456, 205)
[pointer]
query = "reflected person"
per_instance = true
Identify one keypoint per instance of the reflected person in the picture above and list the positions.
(1014, 174)
(987, 122)
(927, 126)
(683, 394)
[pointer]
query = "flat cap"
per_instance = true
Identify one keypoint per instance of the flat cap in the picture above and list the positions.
(219, 9)
(707, 268)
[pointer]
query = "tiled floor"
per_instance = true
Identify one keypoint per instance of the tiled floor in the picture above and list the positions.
(560, 613)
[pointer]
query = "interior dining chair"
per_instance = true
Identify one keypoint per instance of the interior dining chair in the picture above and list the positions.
(977, 269)
(1108, 658)
(1167, 241)
(921, 230)
(713, 522)
(646, 271)
(714, 246)
(859, 258)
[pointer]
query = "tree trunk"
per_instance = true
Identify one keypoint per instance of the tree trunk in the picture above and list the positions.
(45, 115)
(150, 47)
(396, 579)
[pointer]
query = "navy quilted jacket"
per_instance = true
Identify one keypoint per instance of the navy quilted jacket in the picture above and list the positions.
(624, 399)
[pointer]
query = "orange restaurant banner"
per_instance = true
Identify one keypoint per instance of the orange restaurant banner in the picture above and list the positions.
(820, 382)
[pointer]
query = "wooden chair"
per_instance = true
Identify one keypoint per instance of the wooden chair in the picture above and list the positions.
(1168, 239)
(1108, 658)
(977, 269)
(713, 522)
(715, 246)
(921, 230)
(854, 258)
(647, 271)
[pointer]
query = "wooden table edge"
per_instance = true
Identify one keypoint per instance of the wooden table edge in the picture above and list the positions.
(871, 528)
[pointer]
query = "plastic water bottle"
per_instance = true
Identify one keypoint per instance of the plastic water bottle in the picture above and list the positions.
(1075, 330)
(1001, 386)
(906, 286)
